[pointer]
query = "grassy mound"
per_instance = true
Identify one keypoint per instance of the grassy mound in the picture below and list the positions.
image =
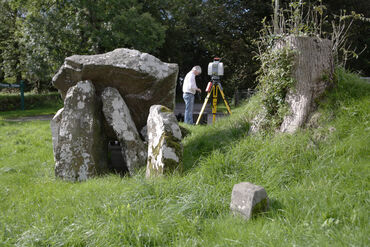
(317, 181)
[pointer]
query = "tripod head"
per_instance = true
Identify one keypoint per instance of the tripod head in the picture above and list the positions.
(216, 81)
(216, 70)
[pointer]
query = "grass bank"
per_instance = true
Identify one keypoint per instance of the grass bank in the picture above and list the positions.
(317, 181)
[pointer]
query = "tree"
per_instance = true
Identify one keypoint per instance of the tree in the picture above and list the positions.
(358, 37)
(197, 31)
(50, 30)
(233, 30)
(10, 41)
(359, 32)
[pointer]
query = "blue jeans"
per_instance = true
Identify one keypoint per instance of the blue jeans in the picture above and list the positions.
(189, 105)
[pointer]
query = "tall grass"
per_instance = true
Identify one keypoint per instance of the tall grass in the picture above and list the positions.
(317, 181)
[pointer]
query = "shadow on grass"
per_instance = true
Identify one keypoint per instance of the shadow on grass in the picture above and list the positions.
(275, 208)
(207, 139)
(275, 205)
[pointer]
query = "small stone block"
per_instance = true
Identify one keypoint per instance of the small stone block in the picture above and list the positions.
(248, 200)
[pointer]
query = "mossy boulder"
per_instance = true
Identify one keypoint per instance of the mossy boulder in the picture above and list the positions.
(164, 142)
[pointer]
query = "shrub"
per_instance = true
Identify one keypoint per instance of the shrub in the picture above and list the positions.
(9, 102)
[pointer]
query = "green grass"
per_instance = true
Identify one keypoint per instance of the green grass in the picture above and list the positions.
(317, 181)
(46, 110)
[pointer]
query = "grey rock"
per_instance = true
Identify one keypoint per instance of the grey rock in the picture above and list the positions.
(54, 126)
(313, 72)
(144, 133)
(81, 147)
(142, 79)
(164, 142)
(248, 200)
(119, 118)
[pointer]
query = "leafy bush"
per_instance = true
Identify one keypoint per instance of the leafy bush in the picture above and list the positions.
(9, 102)
(275, 78)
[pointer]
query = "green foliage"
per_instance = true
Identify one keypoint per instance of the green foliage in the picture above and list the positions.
(317, 181)
(275, 79)
(275, 75)
(9, 102)
(302, 18)
(11, 48)
(38, 35)
(197, 31)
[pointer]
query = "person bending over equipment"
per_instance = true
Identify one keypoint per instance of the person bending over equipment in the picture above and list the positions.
(189, 89)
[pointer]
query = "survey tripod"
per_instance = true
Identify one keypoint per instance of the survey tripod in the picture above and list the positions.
(213, 87)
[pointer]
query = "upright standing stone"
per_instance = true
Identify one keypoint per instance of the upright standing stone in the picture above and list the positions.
(248, 199)
(142, 79)
(164, 142)
(81, 148)
(119, 118)
(313, 72)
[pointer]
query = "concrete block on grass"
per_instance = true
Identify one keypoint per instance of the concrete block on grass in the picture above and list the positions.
(248, 200)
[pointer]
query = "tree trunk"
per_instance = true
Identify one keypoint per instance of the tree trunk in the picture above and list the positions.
(2, 75)
(276, 18)
(313, 72)
(18, 77)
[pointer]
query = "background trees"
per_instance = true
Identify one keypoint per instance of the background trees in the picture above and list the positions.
(40, 34)
(36, 35)
(359, 34)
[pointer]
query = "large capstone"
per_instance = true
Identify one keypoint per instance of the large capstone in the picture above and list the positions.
(247, 200)
(119, 118)
(141, 79)
(164, 142)
(80, 152)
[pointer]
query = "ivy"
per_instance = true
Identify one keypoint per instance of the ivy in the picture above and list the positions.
(275, 80)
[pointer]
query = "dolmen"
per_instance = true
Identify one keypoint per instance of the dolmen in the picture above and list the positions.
(107, 101)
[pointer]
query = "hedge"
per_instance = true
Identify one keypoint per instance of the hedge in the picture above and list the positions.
(11, 102)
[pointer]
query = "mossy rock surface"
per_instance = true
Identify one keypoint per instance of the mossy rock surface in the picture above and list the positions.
(165, 149)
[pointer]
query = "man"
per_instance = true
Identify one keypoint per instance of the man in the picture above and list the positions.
(189, 89)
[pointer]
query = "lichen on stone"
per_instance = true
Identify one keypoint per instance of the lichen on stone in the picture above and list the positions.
(165, 149)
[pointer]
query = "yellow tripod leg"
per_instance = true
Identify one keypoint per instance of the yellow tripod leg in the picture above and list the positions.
(214, 103)
(223, 97)
(203, 107)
